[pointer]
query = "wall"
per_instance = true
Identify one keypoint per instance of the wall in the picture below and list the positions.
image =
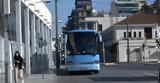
(2, 58)
(121, 29)
(114, 35)
(41, 10)
(108, 36)
(113, 10)
(106, 21)
(134, 44)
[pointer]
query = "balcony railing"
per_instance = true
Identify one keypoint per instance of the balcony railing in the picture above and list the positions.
(129, 8)
(137, 38)
(83, 3)
(125, 1)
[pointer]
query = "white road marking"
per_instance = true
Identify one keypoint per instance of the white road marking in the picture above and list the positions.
(150, 74)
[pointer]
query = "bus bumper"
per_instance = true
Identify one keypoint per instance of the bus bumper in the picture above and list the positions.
(83, 67)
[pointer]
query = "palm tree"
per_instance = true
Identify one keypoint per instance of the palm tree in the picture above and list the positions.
(147, 8)
(153, 8)
(156, 5)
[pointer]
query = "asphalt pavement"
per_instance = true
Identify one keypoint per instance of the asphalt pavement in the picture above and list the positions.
(114, 73)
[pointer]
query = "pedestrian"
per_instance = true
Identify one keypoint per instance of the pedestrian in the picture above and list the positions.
(18, 61)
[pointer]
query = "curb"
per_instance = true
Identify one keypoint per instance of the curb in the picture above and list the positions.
(109, 63)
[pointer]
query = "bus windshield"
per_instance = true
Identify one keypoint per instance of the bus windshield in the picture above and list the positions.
(82, 43)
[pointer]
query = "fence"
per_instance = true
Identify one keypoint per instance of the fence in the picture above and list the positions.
(149, 54)
(135, 56)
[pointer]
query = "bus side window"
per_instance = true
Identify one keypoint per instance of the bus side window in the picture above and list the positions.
(65, 39)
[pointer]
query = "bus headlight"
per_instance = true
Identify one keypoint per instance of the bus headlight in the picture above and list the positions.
(96, 61)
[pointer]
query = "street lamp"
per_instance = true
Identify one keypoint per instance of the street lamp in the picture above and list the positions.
(128, 50)
(57, 41)
(54, 28)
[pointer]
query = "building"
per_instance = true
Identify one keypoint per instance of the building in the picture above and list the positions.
(25, 26)
(83, 8)
(105, 21)
(142, 33)
(126, 7)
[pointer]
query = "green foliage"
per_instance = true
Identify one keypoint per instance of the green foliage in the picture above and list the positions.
(147, 8)
(156, 6)
(153, 8)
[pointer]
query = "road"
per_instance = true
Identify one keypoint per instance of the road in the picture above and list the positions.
(118, 73)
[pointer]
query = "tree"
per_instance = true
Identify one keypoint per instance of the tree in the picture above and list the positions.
(147, 8)
(156, 5)
(153, 8)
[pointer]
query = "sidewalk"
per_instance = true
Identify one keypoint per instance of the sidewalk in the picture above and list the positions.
(39, 78)
(2, 78)
(48, 77)
(133, 64)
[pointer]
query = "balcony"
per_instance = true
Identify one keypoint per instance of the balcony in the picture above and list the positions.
(128, 5)
(137, 38)
(126, 2)
(128, 8)
(83, 3)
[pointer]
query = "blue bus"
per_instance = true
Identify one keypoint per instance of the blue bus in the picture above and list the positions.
(82, 50)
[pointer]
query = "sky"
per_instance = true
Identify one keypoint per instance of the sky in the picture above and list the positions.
(65, 7)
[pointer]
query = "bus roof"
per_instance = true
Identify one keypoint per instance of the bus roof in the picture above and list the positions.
(83, 30)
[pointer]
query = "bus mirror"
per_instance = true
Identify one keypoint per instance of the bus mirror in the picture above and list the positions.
(99, 38)
(101, 50)
(65, 39)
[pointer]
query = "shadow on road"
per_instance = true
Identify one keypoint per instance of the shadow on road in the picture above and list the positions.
(118, 79)
(63, 72)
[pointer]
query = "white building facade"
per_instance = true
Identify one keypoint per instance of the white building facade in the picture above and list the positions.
(106, 21)
(137, 39)
(25, 27)
(125, 7)
(142, 40)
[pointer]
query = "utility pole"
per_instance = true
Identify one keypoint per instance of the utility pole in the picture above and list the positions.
(128, 50)
(57, 41)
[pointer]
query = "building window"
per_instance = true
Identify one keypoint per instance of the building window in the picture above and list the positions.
(80, 19)
(124, 34)
(148, 32)
(84, 13)
(88, 7)
(130, 34)
(100, 27)
(135, 35)
(156, 34)
(140, 35)
(80, 13)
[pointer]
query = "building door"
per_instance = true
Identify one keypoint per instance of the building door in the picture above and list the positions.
(148, 32)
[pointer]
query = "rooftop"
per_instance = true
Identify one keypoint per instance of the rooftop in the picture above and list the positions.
(141, 18)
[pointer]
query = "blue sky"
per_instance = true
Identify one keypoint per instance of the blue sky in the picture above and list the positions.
(65, 7)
